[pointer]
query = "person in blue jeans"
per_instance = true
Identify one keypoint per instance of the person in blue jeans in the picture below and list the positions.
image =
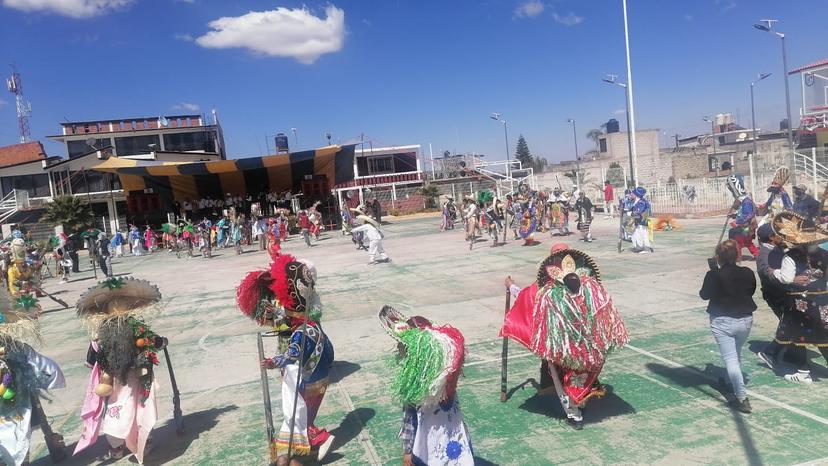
(729, 289)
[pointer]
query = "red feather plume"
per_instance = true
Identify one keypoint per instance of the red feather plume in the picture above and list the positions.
(248, 293)
(279, 285)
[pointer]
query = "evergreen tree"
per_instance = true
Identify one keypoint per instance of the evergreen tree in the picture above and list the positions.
(522, 152)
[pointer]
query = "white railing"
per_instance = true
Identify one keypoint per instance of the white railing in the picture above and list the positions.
(810, 171)
(8, 205)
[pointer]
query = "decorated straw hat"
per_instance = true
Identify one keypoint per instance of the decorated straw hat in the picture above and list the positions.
(563, 262)
(367, 219)
(798, 230)
(781, 175)
(18, 320)
(428, 369)
(118, 298)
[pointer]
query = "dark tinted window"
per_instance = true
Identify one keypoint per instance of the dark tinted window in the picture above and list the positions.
(35, 185)
(184, 142)
(602, 143)
(96, 181)
(133, 145)
(78, 148)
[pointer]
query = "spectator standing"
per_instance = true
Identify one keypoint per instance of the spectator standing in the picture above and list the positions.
(729, 289)
(609, 200)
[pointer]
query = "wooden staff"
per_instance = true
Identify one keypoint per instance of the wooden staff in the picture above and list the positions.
(504, 352)
(177, 414)
(733, 208)
(270, 431)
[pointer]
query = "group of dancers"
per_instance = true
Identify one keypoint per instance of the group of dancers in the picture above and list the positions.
(566, 318)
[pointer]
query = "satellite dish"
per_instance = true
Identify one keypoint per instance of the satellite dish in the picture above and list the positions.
(162, 121)
(742, 135)
(90, 141)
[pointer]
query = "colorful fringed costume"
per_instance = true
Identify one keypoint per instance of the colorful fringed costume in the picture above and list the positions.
(568, 319)
(24, 374)
(425, 382)
(283, 298)
(120, 395)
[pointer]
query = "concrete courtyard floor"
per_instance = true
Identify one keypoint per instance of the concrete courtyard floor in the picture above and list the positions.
(664, 407)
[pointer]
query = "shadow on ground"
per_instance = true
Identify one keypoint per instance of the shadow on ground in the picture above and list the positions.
(342, 369)
(350, 427)
(596, 410)
(166, 444)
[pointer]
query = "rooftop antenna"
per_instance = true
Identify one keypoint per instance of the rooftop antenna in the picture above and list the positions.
(24, 108)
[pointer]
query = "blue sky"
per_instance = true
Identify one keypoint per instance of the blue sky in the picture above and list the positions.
(402, 72)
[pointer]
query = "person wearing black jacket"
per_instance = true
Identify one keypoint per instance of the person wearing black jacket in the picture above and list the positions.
(729, 290)
(773, 292)
(72, 250)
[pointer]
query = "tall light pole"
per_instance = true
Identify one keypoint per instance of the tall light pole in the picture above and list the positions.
(630, 105)
(497, 117)
(768, 27)
(753, 123)
(712, 121)
(611, 79)
(577, 157)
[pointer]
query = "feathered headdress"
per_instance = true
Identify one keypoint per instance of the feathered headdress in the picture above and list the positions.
(428, 370)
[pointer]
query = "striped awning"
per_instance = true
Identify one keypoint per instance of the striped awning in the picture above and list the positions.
(199, 180)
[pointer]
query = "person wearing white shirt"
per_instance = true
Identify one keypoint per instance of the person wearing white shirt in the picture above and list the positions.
(375, 250)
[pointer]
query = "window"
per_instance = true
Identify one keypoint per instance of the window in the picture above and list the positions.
(380, 165)
(185, 142)
(78, 148)
(133, 145)
(97, 182)
(602, 144)
(35, 185)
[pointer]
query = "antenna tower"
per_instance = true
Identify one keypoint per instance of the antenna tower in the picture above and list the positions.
(24, 108)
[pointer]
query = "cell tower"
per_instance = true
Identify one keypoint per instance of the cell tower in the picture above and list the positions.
(24, 109)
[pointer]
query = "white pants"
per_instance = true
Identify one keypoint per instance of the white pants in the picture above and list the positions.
(609, 208)
(375, 250)
(641, 237)
(119, 250)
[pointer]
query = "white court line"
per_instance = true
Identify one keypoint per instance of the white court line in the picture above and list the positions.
(364, 438)
(759, 396)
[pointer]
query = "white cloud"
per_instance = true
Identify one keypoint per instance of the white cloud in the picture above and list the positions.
(529, 9)
(187, 107)
(725, 5)
(70, 8)
(282, 32)
(569, 19)
(619, 111)
(184, 37)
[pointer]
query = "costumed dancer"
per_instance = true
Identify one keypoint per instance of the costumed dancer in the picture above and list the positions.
(357, 238)
(449, 212)
(471, 215)
(743, 226)
(640, 213)
(64, 260)
(120, 396)
(118, 244)
(488, 218)
(805, 204)
(315, 218)
(568, 319)
(103, 247)
(149, 239)
(21, 274)
(779, 200)
(205, 243)
(428, 364)
(805, 314)
(236, 236)
(135, 240)
(24, 375)
(305, 226)
(284, 299)
(585, 209)
(528, 223)
(774, 293)
(345, 214)
(371, 229)
(627, 224)
(558, 213)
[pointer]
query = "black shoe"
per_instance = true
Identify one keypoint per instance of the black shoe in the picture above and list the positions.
(742, 406)
(577, 424)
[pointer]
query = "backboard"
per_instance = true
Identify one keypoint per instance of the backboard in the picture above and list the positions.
(814, 79)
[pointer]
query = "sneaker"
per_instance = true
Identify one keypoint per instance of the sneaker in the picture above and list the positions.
(765, 358)
(742, 406)
(324, 448)
(800, 377)
(577, 424)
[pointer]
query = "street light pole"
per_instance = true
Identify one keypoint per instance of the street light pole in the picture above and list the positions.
(611, 80)
(577, 157)
(630, 106)
(767, 27)
(497, 117)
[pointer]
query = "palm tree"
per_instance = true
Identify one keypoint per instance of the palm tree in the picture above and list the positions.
(595, 135)
(431, 193)
(69, 211)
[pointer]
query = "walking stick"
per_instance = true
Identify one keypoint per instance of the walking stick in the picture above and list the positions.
(57, 300)
(300, 363)
(270, 431)
(54, 442)
(177, 415)
(727, 219)
(504, 352)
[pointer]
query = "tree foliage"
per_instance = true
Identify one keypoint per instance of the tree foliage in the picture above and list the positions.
(594, 135)
(431, 193)
(73, 213)
(522, 152)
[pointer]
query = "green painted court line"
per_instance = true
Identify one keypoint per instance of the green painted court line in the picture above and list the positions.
(363, 436)
(758, 396)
